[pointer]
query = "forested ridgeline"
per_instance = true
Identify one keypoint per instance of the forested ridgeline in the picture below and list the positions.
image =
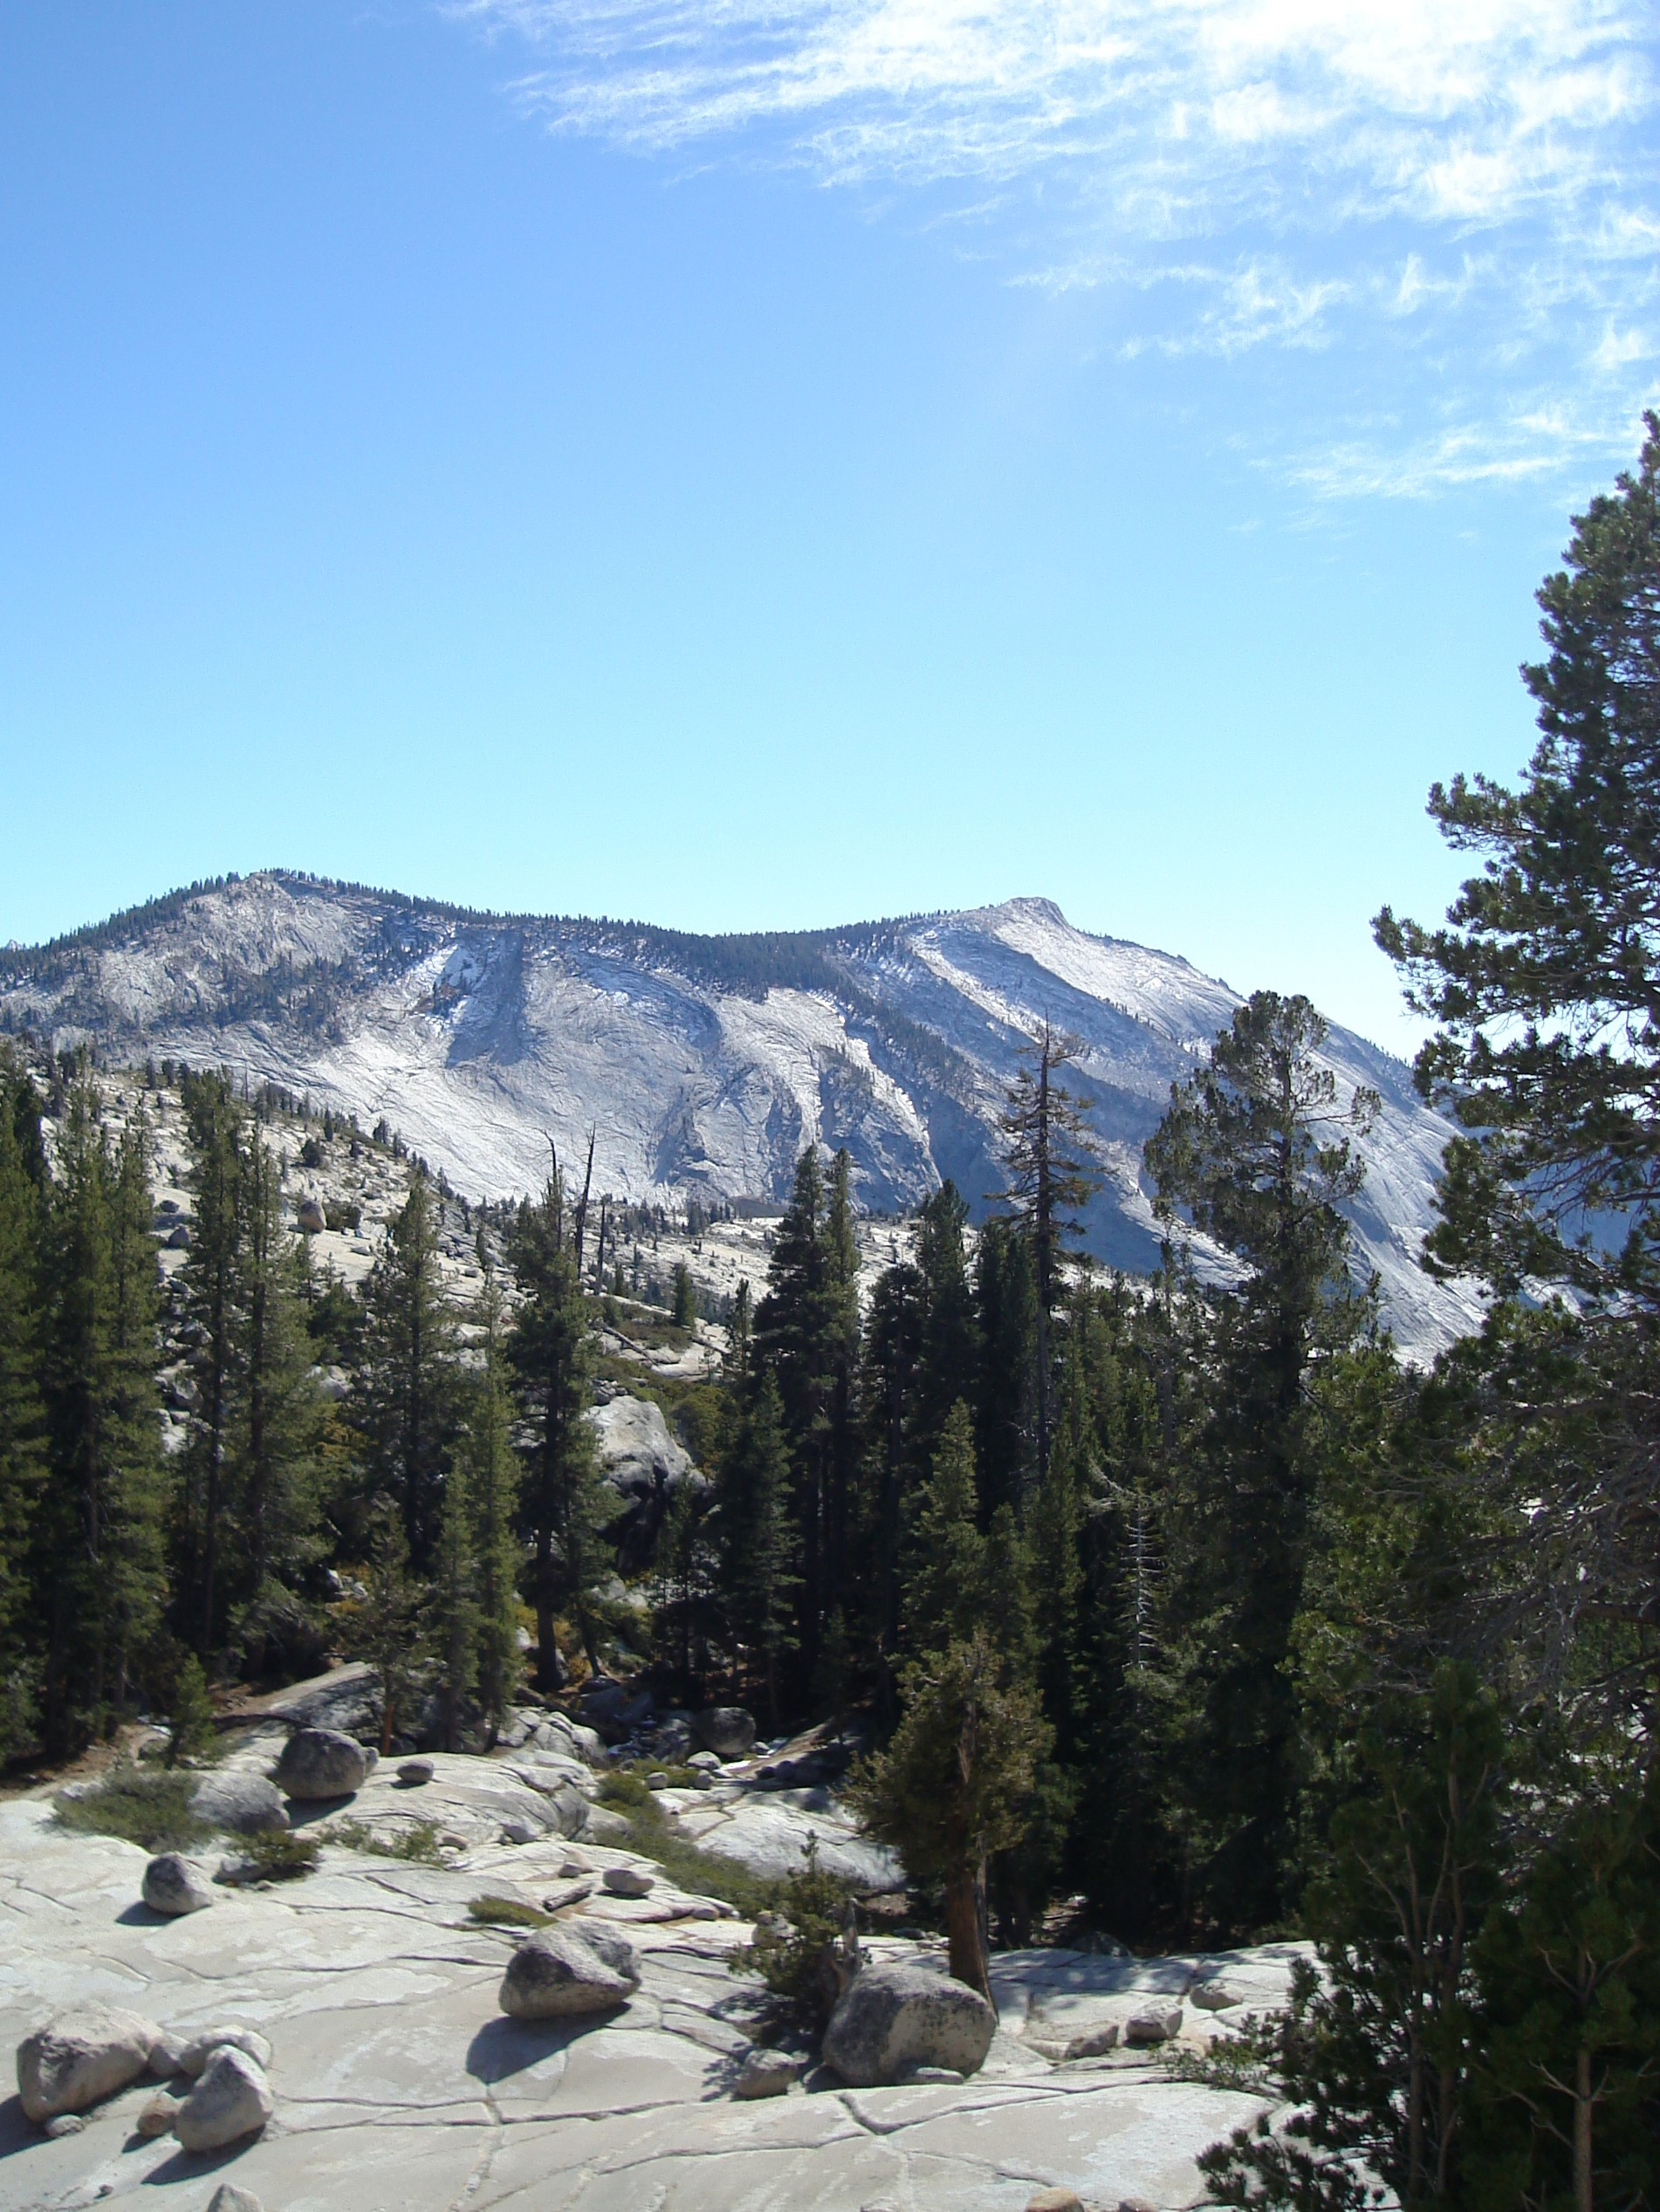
(1194, 1603)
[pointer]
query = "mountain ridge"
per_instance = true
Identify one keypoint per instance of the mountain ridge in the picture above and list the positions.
(703, 1063)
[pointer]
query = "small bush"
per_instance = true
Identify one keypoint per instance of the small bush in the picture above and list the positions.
(506, 1911)
(191, 1717)
(142, 1808)
(342, 1215)
(795, 1965)
(417, 1844)
(277, 1855)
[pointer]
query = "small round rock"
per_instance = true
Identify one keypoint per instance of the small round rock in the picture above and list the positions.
(628, 1881)
(413, 1772)
(158, 2116)
(1055, 2201)
(173, 1886)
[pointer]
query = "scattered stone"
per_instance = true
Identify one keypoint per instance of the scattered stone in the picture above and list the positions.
(413, 1772)
(674, 1740)
(228, 2198)
(1135, 2204)
(1215, 1997)
(629, 1881)
(891, 2018)
(570, 1864)
(569, 1969)
(1094, 2043)
(573, 1893)
(232, 2100)
(728, 1730)
(321, 1763)
(522, 1831)
(244, 1805)
(175, 1886)
(1158, 2023)
(166, 2054)
(703, 1763)
(193, 2059)
(158, 2116)
(658, 1781)
(65, 2124)
(767, 2073)
(81, 2055)
(1055, 2201)
(309, 1217)
(947, 2074)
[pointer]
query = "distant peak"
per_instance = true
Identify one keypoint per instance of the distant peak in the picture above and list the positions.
(1020, 909)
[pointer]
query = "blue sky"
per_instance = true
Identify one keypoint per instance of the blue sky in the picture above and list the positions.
(757, 466)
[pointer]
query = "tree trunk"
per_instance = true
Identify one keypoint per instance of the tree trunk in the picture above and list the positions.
(1584, 2106)
(963, 1931)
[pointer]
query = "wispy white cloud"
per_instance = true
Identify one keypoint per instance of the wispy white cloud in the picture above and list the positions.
(1253, 172)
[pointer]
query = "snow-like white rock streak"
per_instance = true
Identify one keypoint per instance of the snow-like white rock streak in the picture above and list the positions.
(701, 1066)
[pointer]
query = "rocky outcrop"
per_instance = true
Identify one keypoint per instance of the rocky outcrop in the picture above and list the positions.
(644, 1466)
(175, 1885)
(231, 2102)
(892, 2019)
(79, 2057)
(569, 1969)
(321, 1763)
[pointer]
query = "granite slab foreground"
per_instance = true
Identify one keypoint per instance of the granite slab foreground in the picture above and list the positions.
(401, 2087)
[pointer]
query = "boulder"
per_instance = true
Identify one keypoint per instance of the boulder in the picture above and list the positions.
(81, 2055)
(174, 1885)
(628, 1881)
(309, 1217)
(1055, 2201)
(1154, 2023)
(703, 1763)
(413, 1772)
(320, 1763)
(244, 1804)
(1215, 1997)
(232, 2100)
(727, 1730)
(892, 2018)
(569, 1969)
(158, 2115)
(767, 2073)
(193, 2059)
(228, 2198)
(674, 1741)
(1094, 2043)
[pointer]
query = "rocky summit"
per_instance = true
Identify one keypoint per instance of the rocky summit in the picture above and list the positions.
(360, 2039)
(702, 1066)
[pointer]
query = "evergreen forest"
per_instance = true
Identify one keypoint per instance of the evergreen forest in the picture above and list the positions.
(1183, 1599)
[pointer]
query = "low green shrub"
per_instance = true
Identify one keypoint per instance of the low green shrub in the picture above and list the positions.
(795, 1965)
(417, 1844)
(703, 1873)
(277, 1855)
(506, 1911)
(140, 1807)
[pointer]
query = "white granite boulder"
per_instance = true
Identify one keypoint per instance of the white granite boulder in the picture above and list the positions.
(320, 1763)
(232, 2101)
(243, 1804)
(81, 2055)
(175, 1885)
(193, 2059)
(890, 2020)
(568, 1969)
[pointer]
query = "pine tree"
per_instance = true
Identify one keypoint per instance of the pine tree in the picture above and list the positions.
(1256, 1150)
(757, 1537)
(278, 1412)
(947, 1589)
(388, 1625)
(956, 1782)
(493, 1479)
(1543, 980)
(23, 1463)
(410, 1383)
(96, 1560)
(208, 1289)
(887, 1377)
(1049, 1157)
(455, 1616)
(1006, 1426)
(564, 1500)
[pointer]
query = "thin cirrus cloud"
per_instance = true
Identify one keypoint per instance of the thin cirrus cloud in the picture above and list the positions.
(1458, 196)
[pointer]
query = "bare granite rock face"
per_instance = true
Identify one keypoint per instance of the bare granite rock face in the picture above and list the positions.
(890, 2020)
(81, 2055)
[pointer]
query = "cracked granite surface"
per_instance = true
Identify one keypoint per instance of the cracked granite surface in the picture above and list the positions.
(400, 2087)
